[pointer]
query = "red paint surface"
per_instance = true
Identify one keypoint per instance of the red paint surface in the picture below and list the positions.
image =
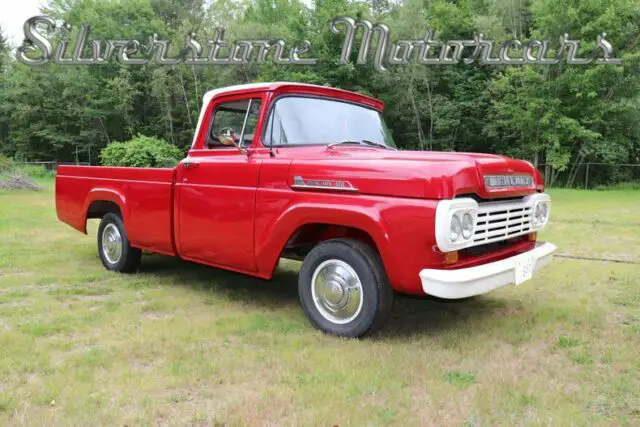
(238, 211)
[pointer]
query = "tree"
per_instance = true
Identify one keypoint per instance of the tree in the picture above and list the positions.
(560, 115)
(4, 123)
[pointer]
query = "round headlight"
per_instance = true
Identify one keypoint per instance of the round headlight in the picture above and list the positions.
(545, 212)
(540, 214)
(467, 226)
(456, 229)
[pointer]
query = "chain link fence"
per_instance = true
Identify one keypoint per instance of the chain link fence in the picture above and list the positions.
(592, 175)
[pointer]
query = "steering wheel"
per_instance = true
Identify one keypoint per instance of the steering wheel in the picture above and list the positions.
(228, 132)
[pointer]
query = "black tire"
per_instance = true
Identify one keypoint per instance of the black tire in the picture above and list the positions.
(129, 257)
(376, 294)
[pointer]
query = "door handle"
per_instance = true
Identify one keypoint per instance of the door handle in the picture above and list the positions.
(190, 165)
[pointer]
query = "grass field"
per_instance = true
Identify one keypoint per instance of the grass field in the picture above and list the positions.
(182, 344)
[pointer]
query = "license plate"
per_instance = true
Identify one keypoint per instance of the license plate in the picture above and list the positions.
(524, 268)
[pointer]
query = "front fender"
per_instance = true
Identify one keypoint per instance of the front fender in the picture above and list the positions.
(271, 241)
(401, 228)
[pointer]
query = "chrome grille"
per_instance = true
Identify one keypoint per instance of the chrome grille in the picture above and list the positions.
(502, 220)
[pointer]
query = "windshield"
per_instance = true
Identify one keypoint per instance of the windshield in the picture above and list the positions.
(317, 121)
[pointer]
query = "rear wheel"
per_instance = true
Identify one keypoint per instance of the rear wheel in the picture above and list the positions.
(113, 246)
(344, 289)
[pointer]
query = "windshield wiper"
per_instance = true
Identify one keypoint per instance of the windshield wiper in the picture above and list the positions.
(363, 142)
(377, 144)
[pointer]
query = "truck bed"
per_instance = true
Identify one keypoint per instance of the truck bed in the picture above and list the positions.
(148, 193)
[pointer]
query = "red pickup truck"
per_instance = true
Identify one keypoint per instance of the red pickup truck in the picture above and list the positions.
(289, 170)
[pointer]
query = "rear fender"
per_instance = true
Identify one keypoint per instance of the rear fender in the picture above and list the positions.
(107, 195)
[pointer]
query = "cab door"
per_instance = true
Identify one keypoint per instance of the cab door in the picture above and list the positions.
(216, 187)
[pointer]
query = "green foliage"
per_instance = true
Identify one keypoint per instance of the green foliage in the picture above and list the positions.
(460, 378)
(9, 166)
(562, 115)
(142, 151)
(6, 164)
(567, 342)
(34, 171)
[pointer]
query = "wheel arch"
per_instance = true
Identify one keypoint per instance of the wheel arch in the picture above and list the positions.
(310, 234)
(102, 201)
(311, 224)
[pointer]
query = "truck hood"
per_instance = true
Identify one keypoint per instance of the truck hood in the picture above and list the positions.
(417, 174)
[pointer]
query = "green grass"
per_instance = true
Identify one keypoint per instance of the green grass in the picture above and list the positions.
(180, 343)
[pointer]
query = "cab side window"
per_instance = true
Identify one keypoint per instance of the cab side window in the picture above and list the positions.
(237, 118)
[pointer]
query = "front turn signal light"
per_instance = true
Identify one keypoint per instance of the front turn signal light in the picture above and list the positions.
(451, 257)
(532, 237)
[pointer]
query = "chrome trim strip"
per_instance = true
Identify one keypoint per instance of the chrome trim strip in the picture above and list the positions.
(318, 187)
(317, 184)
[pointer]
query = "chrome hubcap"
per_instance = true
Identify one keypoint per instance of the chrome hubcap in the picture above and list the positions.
(111, 243)
(337, 291)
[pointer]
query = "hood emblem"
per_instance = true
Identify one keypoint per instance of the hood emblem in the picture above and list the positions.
(507, 181)
(322, 184)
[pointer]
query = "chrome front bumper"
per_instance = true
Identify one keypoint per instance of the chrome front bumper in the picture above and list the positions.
(467, 282)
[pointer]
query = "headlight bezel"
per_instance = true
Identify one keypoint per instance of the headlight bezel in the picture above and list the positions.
(535, 222)
(445, 212)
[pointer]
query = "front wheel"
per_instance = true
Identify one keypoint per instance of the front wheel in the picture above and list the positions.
(344, 289)
(113, 246)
